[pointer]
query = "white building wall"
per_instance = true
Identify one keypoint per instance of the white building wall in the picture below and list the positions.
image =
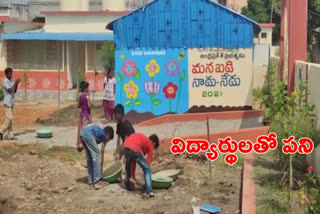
(115, 5)
(78, 23)
(74, 5)
(36, 6)
(16, 27)
(265, 37)
(14, 9)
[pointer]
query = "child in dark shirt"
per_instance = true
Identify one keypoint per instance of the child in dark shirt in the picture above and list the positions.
(124, 129)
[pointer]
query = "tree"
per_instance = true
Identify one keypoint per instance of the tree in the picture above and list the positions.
(261, 11)
(107, 56)
(313, 23)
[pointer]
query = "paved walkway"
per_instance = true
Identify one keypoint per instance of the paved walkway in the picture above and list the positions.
(66, 136)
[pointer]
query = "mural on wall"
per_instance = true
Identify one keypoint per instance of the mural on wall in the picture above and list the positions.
(95, 81)
(152, 80)
(220, 77)
(37, 80)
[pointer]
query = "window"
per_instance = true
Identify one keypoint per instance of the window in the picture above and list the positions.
(34, 55)
(263, 35)
(134, 4)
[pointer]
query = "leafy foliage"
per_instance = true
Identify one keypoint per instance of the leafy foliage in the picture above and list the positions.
(266, 94)
(313, 194)
(288, 116)
(107, 56)
(309, 193)
(261, 10)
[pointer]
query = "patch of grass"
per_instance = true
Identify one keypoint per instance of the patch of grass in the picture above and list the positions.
(61, 153)
(221, 161)
(9, 150)
(69, 154)
(272, 197)
(269, 208)
(67, 116)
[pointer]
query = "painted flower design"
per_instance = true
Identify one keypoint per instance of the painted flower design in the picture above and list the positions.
(131, 90)
(100, 84)
(129, 68)
(152, 68)
(32, 83)
(152, 87)
(46, 83)
(62, 84)
(172, 68)
(170, 90)
(91, 84)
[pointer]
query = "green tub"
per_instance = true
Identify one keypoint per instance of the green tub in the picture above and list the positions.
(112, 173)
(159, 182)
(172, 173)
(44, 133)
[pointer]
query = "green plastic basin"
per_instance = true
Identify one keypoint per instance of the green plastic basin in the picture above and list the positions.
(112, 172)
(44, 133)
(173, 173)
(159, 182)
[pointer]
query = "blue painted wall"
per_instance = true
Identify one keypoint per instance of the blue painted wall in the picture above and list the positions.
(158, 37)
(152, 80)
(184, 24)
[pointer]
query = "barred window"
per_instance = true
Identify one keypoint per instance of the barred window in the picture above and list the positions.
(134, 4)
(34, 55)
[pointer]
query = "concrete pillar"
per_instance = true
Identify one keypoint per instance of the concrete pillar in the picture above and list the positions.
(293, 40)
(283, 39)
(68, 64)
(297, 34)
(3, 55)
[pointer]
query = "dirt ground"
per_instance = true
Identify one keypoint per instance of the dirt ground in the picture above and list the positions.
(35, 179)
(27, 113)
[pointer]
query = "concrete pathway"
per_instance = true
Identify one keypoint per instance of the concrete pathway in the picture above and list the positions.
(66, 136)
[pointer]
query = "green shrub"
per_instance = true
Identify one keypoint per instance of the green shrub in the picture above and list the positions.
(266, 95)
(288, 116)
(107, 56)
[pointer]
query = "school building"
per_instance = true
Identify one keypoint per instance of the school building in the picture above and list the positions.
(66, 47)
